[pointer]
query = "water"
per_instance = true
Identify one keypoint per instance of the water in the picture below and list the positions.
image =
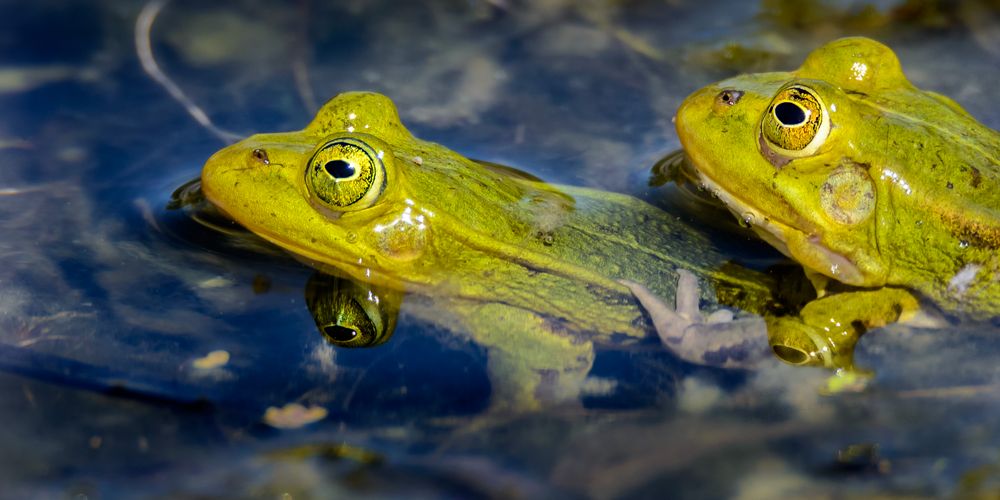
(107, 299)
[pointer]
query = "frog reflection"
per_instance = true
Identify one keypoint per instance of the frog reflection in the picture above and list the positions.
(352, 314)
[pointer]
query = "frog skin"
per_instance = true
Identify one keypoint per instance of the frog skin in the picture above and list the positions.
(526, 269)
(886, 192)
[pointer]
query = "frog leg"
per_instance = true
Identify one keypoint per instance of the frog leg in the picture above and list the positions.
(531, 361)
(719, 339)
(826, 329)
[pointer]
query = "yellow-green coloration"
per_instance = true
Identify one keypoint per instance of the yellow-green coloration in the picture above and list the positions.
(900, 190)
(527, 269)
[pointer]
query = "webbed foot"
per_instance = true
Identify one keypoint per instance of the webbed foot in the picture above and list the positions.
(721, 339)
(826, 330)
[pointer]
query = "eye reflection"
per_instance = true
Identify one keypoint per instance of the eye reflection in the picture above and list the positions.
(352, 314)
(339, 333)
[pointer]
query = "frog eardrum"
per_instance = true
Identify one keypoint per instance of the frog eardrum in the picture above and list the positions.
(346, 173)
(796, 123)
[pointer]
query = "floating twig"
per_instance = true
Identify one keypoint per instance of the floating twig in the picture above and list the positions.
(144, 49)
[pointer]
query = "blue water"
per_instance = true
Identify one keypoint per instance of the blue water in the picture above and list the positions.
(107, 297)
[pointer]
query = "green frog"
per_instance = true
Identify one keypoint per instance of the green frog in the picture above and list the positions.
(526, 269)
(887, 195)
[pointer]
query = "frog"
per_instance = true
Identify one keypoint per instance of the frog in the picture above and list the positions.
(887, 195)
(535, 273)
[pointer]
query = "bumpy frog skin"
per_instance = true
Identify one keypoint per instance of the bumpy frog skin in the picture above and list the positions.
(861, 177)
(528, 269)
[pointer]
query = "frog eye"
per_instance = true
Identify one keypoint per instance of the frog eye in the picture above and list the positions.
(346, 174)
(796, 123)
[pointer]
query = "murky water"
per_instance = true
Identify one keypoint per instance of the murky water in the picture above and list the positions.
(110, 304)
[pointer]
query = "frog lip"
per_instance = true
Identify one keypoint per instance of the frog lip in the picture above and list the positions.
(772, 230)
(777, 233)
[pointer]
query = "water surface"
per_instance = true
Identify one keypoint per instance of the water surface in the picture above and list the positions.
(107, 299)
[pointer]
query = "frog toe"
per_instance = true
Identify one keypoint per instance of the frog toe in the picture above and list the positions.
(669, 325)
(738, 344)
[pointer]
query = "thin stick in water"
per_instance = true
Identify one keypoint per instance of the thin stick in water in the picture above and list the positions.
(144, 49)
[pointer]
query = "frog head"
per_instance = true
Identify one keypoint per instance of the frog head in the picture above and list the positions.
(355, 192)
(793, 154)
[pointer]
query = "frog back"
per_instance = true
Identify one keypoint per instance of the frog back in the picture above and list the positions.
(582, 241)
(937, 178)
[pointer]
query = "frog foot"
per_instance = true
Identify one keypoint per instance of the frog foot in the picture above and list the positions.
(721, 339)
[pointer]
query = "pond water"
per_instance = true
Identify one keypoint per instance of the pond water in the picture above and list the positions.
(140, 351)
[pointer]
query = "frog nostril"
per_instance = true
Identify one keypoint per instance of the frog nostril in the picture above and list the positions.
(261, 156)
(339, 169)
(730, 96)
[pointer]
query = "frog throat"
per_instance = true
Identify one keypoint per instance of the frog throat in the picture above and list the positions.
(806, 249)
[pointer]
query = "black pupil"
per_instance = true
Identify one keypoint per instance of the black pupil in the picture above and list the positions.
(340, 333)
(339, 169)
(789, 114)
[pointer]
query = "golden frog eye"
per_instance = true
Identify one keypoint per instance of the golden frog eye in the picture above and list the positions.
(346, 174)
(796, 123)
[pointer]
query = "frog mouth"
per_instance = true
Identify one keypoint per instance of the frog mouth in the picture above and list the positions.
(769, 229)
(805, 248)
